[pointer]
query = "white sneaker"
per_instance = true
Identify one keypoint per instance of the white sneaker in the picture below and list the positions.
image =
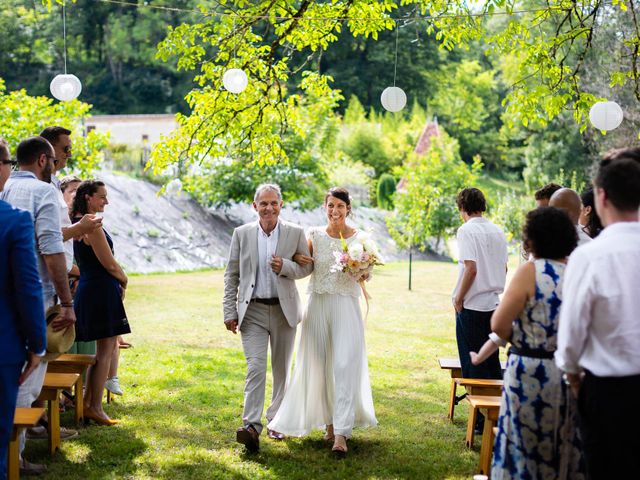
(113, 385)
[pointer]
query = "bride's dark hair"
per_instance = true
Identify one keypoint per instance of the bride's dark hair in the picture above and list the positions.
(341, 194)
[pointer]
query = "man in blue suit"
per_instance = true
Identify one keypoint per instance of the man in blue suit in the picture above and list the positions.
(22, 320)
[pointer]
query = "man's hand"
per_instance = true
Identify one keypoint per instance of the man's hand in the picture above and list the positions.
(32, 362)
(66, 319)
(276, 264)
(574, 380)
(458, 304)
(232, 325)
(89, 222)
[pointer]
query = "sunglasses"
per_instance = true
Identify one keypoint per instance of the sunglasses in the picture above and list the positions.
(13, 163)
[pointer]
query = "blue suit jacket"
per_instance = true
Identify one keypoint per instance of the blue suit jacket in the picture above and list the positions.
(22, 323)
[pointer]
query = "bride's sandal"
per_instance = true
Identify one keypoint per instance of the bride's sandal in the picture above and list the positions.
(339, 451)
(329, 436)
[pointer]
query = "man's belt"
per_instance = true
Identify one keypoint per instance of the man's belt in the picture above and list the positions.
(267, 301)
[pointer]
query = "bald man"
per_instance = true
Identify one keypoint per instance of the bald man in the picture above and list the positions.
(568, 200)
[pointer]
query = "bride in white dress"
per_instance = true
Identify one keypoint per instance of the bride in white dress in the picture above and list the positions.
(330, 386)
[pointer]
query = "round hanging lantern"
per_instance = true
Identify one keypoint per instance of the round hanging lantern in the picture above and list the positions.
(65, 87)
(606, 115)
(174, 187)
(235, 80)
(393, 99)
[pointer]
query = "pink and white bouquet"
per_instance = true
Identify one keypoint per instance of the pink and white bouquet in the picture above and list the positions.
(358, 257)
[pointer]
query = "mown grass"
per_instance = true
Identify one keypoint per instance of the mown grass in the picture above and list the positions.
(183, 392)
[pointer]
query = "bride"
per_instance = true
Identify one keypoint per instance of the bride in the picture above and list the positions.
(330, 385)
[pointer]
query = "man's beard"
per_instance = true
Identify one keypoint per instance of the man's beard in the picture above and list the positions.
(46, 174)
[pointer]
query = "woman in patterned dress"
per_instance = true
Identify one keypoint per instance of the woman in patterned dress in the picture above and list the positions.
(537, 433)
(330, 386)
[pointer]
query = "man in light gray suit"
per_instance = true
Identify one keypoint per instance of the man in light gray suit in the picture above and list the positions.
(261, 300)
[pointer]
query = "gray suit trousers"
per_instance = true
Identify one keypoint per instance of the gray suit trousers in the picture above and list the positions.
(265, 325)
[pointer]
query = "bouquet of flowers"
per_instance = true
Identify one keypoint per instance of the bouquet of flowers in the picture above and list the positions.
(358, 258)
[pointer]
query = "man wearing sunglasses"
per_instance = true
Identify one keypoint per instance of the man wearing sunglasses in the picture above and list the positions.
(60, 140)
(30, 189)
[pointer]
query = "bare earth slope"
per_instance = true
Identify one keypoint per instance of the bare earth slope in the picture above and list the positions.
(153, 233)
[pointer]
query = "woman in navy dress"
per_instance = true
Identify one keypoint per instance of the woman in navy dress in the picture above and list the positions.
(100, 314)
(537, 429)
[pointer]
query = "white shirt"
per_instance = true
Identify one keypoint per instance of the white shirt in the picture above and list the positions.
(483, 242)
(266, 279)
(65, 222)
(582, 237)
(600, 315)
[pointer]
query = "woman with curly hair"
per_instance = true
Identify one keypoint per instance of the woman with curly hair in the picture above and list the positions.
(99, 309)
(537, 433)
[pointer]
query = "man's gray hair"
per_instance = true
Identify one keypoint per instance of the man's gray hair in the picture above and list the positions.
(265, 187)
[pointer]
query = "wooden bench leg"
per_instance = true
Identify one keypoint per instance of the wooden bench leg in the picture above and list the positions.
(486, 450)
(471, 425)
(54, 423)
(13, 457)
(79, 391)
(452, 399)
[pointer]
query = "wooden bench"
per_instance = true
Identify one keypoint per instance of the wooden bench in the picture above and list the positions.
(476, 386)
(455, 370)
(74, 363)
(490, 407)
(53, 385)
(24, 418)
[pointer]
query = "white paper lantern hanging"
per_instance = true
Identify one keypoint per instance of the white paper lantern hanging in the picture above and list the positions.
(606, 115)
(65, 87)
(235, 80)
(174, 187)
(393, 99)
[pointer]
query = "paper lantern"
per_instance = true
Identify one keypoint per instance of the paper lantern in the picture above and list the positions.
(393, 99)
(606, 115)
(65, 87)
(174, 187)
(235, 80)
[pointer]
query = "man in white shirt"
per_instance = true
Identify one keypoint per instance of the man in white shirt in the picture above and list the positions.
(482, 273)
(568, 200)
(599, 328)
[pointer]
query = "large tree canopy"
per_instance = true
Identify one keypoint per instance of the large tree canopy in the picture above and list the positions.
(546, 47)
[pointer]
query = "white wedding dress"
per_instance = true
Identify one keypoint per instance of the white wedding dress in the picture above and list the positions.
(330, 383)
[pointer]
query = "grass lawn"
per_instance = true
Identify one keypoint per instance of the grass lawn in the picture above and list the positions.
(183, 385)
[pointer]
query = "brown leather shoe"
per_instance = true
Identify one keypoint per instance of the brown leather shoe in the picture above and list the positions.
(273, 435)
(249, 437)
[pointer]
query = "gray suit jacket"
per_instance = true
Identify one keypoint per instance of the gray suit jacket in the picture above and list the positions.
(240, 275)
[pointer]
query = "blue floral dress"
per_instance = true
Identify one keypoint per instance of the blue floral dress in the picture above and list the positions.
(537, 428)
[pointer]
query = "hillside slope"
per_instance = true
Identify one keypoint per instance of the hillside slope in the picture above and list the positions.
(160, 233)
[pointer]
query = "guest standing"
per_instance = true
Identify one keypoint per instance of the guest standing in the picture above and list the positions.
(482, 273)
(22, 321)
(589, 220)
(598, 342)
(568, 200)
(30, 189)
(98, 303)
(537, 431)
